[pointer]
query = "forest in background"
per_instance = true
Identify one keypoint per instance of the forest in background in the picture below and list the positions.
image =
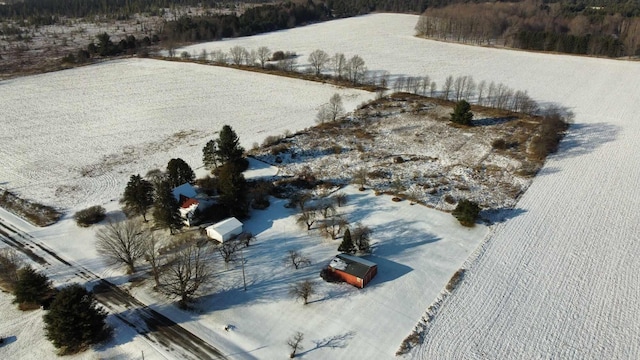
(590, 27)
(603, 28)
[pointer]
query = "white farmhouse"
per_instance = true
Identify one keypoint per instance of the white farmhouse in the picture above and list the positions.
(225, 229)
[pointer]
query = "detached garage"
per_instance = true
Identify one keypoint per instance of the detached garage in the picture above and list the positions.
(354, 270)
(225, 229)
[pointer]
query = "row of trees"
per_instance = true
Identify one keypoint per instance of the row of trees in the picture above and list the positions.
(179, 270)
(528, 25)
(321, 64)
(105, 47)
(465, 87)
(323, 213)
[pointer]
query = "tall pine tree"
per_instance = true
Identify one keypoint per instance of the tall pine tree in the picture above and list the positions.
(229, 149)
(209, 158)
(233, 189)
(166, 212)
(138, 196)
(75, 320)
(347, 245)
(179, 172)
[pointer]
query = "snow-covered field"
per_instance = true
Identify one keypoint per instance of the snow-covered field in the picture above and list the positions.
(558, 280)
(72, 138)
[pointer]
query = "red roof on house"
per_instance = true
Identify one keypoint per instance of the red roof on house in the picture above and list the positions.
(187, 204)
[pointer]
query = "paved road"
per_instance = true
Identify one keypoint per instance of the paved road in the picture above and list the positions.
(153, 326)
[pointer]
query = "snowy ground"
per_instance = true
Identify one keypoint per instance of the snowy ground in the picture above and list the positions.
(433, 163)
(560, 279)
(84, 131)
(557, 280)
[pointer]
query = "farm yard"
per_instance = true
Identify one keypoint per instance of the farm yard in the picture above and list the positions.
(554, 279)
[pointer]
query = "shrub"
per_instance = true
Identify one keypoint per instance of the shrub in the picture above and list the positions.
(466, 212)
(279, 149)
(461, 113)
(89, 216)
(499, 144)
(271, 140)
(278, 55)
(32, 288)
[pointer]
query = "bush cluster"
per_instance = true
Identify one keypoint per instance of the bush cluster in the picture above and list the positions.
(90, 216)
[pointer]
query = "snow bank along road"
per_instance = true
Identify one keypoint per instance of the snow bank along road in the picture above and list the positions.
(171, 337)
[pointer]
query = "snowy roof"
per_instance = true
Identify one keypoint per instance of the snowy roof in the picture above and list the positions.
(186, 190)
(226, 226)
(353, 265)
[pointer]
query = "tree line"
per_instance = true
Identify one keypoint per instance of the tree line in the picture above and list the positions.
(255, 20)
(531, 26)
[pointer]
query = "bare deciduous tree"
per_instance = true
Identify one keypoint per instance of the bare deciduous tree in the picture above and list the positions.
(264, 54)
(318, 60)
(246, 239)
(122, 242)
(327, 209)
(446, 88)
(341, 198)
(237, 54)
(152, 256)
(302, 290)
(356, 69)
(300, 200)
(361, 236)
(294, 343)
(307, 217)
(339, 63)
(332, 227)
(228, 250)
(296, 259)
(481, 89)
(218, 56)
(187, 270)
(360, 178)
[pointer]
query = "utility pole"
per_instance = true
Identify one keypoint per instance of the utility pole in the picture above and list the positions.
(244, 280)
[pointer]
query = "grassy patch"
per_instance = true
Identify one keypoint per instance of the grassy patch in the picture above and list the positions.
(36, 214)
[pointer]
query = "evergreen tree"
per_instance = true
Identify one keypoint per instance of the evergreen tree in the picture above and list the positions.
(138, 196)
(229, 149)
(32, 287)
(466, 212)
(233, 189)
(209, 155)
(462, 113)
(347, 245)
(179, 172)
(165, 210)
(75, 321)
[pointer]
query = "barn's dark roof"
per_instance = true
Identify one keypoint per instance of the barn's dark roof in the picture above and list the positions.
(352, 265)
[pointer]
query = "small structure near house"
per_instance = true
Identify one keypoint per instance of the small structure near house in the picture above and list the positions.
(224, 230)
(353, 269)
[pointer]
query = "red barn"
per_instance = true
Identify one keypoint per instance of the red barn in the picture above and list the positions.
(354, 270)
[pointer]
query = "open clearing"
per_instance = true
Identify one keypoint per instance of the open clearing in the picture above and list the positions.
(557, 280)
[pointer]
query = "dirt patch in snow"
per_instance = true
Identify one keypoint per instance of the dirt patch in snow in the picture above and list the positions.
(410, 148)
